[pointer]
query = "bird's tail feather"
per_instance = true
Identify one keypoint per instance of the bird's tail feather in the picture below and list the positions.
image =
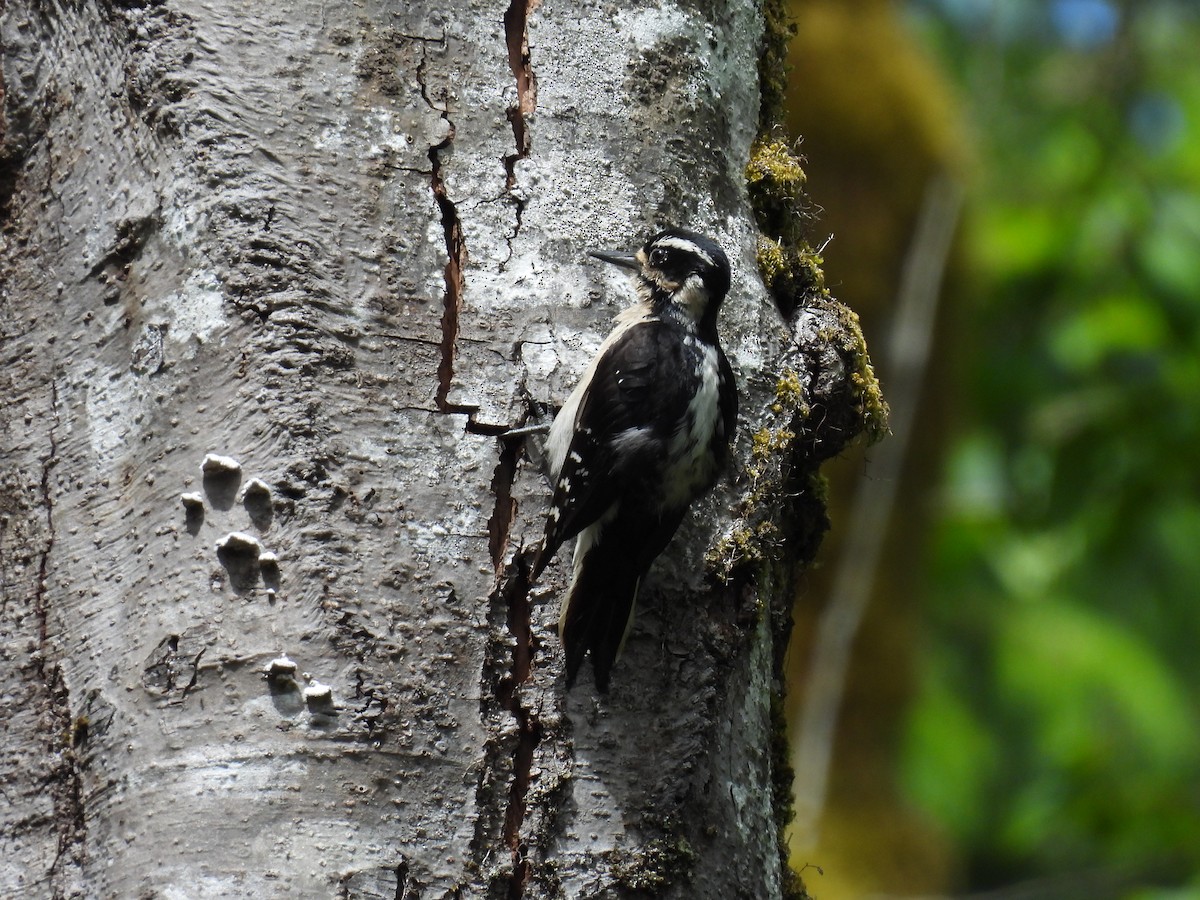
(598, 612)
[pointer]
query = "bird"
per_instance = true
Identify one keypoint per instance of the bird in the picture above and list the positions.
(645, 433)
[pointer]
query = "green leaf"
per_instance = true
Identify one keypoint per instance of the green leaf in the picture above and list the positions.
(1099, 694)
(1117, 324)
(948, 760)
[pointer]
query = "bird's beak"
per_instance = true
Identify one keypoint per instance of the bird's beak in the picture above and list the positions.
(624, 260)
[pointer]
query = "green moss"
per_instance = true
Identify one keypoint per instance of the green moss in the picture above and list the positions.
(772, 61)
(655, 866)
(790, 267)
(868, 394)
(782, 777)
(755, 538)
(772, 262)
(809, 263)
(789, 394)
(774, 173)
(767, 441)
(775, 178)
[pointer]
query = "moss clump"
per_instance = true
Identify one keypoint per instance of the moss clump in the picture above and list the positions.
(789, 394)
(656, 866)
(808, 263)
(755, 536)
(790, 267)
(772, 262)
(868, 394)
(766, 442)
(791, 270)
(776, 179)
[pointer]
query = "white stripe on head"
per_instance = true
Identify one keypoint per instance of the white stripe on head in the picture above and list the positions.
(678, 243)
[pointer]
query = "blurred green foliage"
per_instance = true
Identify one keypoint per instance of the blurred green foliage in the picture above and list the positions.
(1057, 733)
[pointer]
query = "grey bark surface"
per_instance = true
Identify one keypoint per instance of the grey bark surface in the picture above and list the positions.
(343, 246)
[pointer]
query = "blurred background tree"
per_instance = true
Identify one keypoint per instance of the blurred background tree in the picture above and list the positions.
(879, 127)
(1021, 712)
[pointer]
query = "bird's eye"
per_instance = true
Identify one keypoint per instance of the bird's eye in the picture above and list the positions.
(658, 256)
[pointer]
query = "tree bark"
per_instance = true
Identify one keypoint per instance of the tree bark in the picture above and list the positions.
(272, 284)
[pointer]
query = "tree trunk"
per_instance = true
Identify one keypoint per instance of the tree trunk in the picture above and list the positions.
(272, 284)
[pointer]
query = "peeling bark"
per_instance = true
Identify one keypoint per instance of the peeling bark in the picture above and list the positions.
(344, 249)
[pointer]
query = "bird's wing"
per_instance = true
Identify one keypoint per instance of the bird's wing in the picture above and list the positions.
(619, 433)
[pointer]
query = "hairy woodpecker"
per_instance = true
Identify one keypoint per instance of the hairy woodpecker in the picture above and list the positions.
(645, 433)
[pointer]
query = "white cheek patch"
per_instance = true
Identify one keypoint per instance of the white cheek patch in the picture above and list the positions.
(692, 296)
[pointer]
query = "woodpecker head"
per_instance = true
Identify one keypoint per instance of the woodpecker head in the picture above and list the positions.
(680, 270)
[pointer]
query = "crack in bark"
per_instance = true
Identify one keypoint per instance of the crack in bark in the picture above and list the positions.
(195, 675)
(515, 594)
(452, 298)
(456, 251)
(66, 786)
(516, 34)
(513, 591)
(39, 601)
(401, 879)
(422, 38)
(505, 511)
(513, 586)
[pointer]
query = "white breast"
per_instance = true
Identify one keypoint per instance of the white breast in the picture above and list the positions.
(690, 467)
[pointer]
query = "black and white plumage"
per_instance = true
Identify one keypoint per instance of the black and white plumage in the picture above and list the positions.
(645, 433)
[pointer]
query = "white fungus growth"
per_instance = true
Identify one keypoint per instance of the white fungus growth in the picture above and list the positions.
(241, 544)
(281, 667)
(256, 488)
(318, 696)
(215, 464)
(192, 500)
